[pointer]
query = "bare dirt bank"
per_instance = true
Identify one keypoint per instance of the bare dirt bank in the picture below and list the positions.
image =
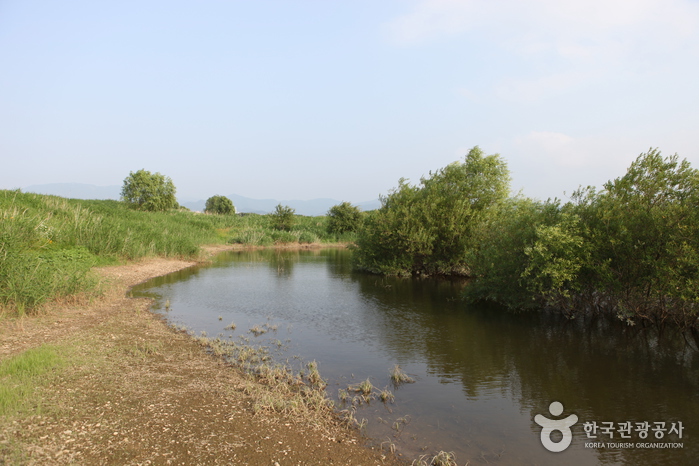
(133, 391)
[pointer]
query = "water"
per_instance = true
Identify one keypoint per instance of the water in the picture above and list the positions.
(482, 375)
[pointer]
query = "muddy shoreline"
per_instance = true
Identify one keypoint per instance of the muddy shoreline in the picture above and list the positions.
(131, 390)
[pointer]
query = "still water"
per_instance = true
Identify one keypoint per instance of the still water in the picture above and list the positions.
(481, 375)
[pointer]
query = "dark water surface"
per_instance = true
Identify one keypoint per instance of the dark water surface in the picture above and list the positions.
(482, 375)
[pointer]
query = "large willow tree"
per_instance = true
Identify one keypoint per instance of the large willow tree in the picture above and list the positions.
(427, 229)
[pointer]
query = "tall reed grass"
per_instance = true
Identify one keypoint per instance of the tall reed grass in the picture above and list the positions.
(48, 244)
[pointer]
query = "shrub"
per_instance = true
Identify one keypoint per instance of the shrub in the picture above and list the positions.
(219, 205)
(498, 260)
(428, 229)
(149, 191)
(643, 243)
(344, 217)
(283, 218)
(629, 250)
(308, 237)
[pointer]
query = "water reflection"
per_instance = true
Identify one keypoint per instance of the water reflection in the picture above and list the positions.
(482, 375)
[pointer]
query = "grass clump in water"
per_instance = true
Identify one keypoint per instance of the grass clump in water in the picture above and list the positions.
(386, 396)
(365, 389)
(258, 330)
(442, 458)
(314, 377)
(398, 376)
(343, 395)
(275, 387)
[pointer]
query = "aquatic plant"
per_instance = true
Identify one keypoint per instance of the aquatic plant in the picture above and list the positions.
(313, 375)
(365, 388)
(385, 395)
(442, 458)
(398, 376)
(257, 330)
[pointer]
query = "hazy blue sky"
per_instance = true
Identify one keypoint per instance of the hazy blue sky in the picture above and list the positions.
(306, 99)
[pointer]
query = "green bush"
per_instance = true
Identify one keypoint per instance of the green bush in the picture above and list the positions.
(308, 237)
(428, 229)
(630, 250)
(344, 218)
(219, 205)
(643, 235)
(499, 259)
(282, 218)
(149, 191)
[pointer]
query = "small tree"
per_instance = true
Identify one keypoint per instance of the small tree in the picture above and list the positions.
(344, 217)
(283, 217)
(429, 228)
(149, 191)
(219, 205)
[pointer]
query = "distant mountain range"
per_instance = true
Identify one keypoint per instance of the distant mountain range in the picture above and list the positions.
(242, 204)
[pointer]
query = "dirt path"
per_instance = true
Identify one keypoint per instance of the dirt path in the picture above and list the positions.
(134, 391)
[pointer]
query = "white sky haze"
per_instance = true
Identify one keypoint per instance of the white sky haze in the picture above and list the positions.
(306, 99)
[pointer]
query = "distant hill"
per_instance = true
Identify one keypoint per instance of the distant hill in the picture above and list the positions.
(242, 204)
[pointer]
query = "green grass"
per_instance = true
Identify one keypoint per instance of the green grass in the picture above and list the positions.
(20, 374)
(258, 230)
(49, 244)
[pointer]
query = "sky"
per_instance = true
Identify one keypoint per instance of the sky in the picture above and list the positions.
(339, 99)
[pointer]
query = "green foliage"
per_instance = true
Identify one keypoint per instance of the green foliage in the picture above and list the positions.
(259, 230)
(219, 205)
(555, 261)
(643, 232)
(149, 191)
(283, 218)
(428, 229)
(48, 244)
(630, 250)
(344, 217)
(499, 260)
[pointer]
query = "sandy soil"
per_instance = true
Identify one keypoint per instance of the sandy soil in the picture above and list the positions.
(134, 391)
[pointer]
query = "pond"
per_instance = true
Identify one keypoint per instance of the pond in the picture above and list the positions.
(481, 375)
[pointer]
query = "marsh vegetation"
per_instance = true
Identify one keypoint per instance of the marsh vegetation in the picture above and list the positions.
(629, 250)
(49, 244)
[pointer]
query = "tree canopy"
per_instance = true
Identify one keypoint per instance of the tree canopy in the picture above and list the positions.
(149, 191)
(219, 205)
(427, 229)
(630, 250)
(344, 217)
